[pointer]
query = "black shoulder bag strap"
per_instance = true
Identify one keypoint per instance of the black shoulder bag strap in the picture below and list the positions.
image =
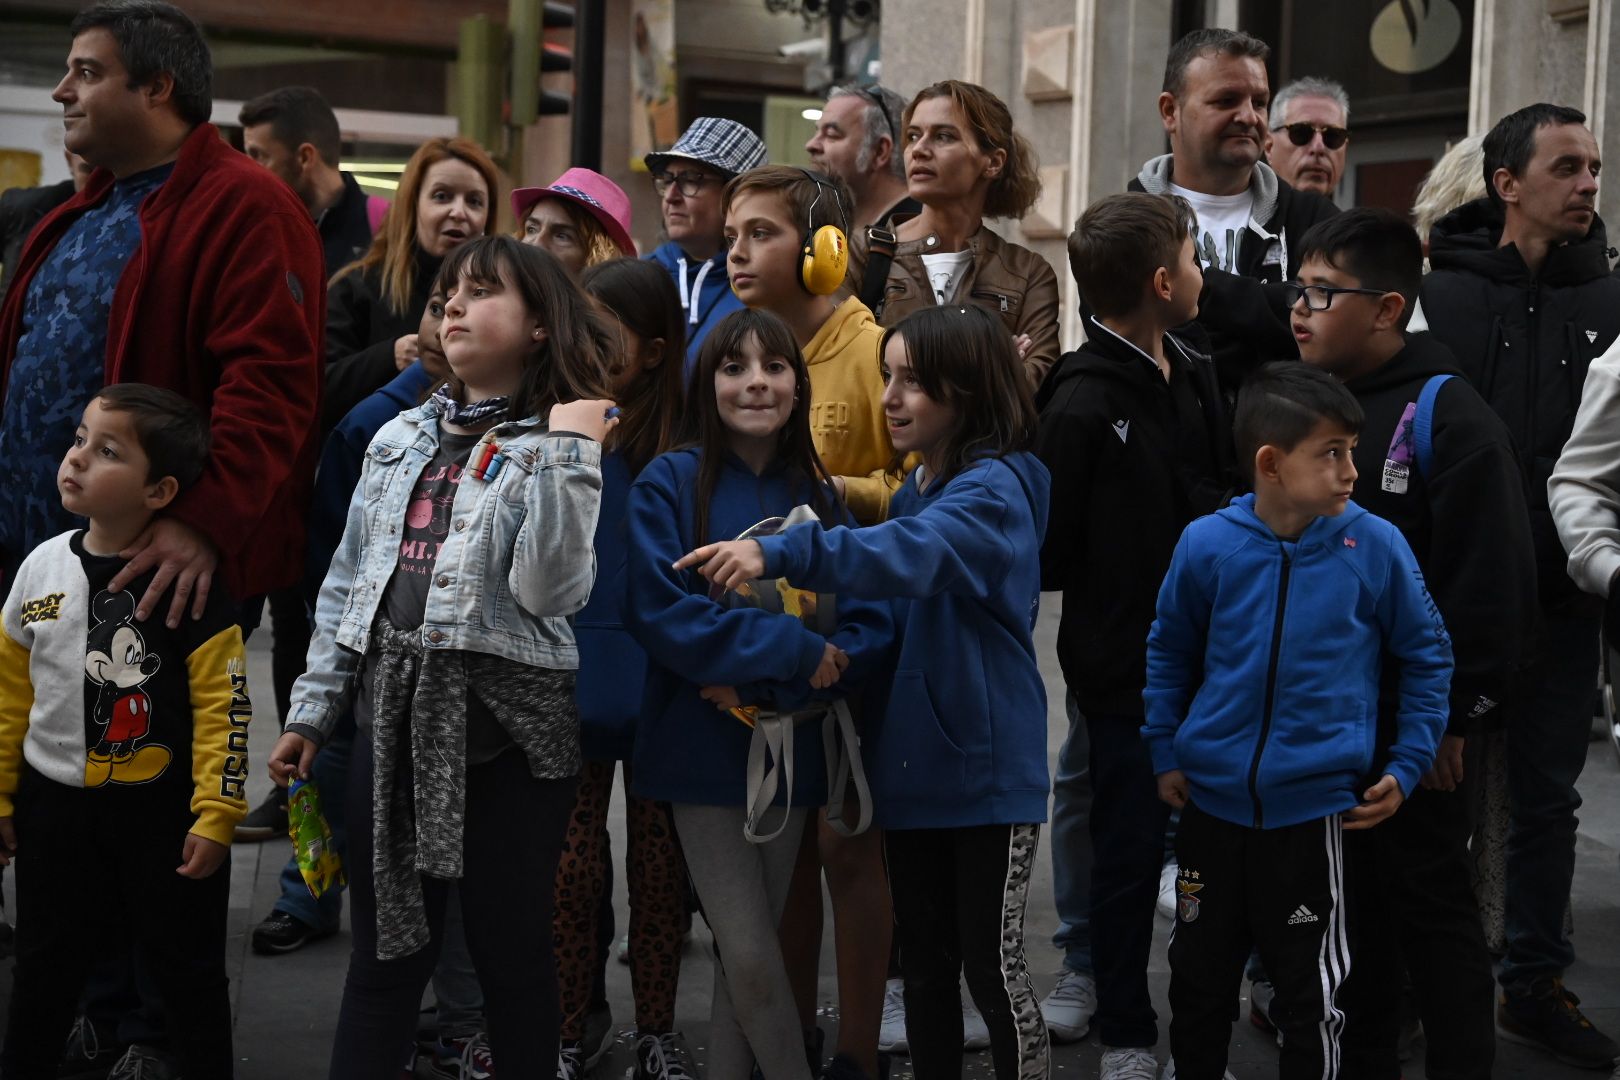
(880, 245)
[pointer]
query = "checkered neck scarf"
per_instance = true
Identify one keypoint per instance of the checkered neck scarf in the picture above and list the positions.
(470, 415)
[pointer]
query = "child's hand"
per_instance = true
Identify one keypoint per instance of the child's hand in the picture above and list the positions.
(8, 841)
(291, 758)
(1448, 765)
(1173, 788)
(1380, 802)
(723, 698)
(728, 564)
(406, 351)
(201, 857)
(833, 662)
(588, 416)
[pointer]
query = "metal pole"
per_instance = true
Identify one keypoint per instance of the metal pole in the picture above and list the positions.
(836, 58)
(589, 39)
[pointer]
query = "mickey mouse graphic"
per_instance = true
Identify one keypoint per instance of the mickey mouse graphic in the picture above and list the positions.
(116, 661)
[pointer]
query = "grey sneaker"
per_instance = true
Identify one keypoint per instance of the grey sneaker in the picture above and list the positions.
(143, 1063)
(1068, 1009)
(1129, 1063)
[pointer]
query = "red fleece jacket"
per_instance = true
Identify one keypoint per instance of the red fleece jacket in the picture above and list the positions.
(224, 302)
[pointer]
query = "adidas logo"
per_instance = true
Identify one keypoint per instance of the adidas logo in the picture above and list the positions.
(1121, 427)
(1302, 914)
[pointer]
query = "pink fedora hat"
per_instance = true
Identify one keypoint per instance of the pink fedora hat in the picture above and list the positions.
(600, 197)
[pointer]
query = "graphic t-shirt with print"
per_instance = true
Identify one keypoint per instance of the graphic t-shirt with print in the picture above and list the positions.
(945, 272)
(1222, 220)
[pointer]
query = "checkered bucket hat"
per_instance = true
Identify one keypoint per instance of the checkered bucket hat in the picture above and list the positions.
(720, 144)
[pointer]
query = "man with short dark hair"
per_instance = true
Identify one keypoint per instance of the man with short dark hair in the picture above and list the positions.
(1521, 293)
(1310, 133)
(1214, 107)
(857, 140)
(294, 133)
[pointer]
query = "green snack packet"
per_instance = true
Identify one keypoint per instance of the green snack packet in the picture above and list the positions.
(312, 838)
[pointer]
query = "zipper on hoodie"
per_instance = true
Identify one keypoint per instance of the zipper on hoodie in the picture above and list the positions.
(1271, 691)
(1532, 384)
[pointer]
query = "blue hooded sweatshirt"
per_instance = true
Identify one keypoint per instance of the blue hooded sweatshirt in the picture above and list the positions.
(705, 292)
(1264, 664)
(963, 737)
(686, 750)
(612, 665)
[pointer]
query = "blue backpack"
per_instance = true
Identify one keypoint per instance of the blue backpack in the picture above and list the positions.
(1423, 424)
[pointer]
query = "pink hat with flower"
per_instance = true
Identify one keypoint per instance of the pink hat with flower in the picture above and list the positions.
(596, 194)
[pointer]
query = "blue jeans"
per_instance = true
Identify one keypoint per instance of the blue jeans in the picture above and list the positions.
(1547, 744)
(1128, 821)
(1071, 843)
(331, 775)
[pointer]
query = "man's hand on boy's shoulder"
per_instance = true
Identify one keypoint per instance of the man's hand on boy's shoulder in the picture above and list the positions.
(201, 857)
(1173, 788)
(184, 557)
(1379, 803)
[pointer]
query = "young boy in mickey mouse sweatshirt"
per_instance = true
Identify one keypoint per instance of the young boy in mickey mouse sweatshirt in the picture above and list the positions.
(123, 749)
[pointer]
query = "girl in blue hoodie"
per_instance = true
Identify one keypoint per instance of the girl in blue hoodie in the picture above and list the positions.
(638, 300)
(959, 761)
(752, 459)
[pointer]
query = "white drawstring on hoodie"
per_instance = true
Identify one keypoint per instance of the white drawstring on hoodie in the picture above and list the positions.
(689, 300)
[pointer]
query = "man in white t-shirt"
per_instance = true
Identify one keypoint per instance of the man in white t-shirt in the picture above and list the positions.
(1214, 108)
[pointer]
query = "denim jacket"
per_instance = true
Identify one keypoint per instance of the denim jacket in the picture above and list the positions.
(517, 561)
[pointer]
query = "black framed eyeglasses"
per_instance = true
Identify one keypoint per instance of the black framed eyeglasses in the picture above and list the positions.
(1301, 134)
(690, 183)
(1320, 297)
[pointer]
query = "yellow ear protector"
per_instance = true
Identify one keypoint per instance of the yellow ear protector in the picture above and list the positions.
(826, 250)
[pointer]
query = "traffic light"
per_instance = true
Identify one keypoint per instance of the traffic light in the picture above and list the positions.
(532, 56)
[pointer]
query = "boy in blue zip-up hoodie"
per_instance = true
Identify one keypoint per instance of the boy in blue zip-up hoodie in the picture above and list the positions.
(1262, 707)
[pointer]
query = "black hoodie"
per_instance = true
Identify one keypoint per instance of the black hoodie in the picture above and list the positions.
(1133, 459)
(1525, 342)
(1465, 520)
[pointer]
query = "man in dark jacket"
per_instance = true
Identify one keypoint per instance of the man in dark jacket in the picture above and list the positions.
(1134, 433)
(1214, 109)
(293, 132)
(1435, 461)
(22, 208)
(1522, 295)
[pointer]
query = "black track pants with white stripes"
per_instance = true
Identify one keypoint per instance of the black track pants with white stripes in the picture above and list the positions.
(959, 899)
(1282, 891)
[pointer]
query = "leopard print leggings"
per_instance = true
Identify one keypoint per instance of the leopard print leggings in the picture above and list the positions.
(656, 876)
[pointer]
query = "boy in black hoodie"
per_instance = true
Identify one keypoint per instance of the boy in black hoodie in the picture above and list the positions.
(1134, 433)
(1436, 461)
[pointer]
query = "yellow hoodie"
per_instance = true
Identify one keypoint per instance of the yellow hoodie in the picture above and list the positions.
(846, 415)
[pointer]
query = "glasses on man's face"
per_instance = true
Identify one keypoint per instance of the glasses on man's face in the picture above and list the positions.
(1320, 297)
(690, 183)
(1302, 133)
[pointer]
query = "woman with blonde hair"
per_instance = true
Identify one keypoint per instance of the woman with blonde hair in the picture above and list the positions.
(1457, 178)
(964, 163)
(446, 197)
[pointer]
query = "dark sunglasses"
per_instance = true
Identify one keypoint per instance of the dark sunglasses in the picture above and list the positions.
(1301, 134)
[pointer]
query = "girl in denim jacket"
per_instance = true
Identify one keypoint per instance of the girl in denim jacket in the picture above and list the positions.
(443, 624)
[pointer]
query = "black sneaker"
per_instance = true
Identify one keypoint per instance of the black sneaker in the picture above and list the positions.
(143, 1063)
(658, 1058)
(599, 1034)
(1549, 1017)
(282, 933)
(265, 821)
(90, 1052)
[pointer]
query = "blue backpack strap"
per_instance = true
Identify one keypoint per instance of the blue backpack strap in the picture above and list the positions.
(1423, 424)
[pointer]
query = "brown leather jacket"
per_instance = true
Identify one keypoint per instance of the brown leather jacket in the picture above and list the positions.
(1004, 277)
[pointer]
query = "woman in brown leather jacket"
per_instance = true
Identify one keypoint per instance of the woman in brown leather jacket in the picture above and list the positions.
(965, 163)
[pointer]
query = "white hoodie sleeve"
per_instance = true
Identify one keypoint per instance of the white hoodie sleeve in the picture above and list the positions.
(1584, 490)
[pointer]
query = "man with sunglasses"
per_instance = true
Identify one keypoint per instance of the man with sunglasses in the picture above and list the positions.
(856, 141)
(1310, 130)
(689, 177)
(1214, 108)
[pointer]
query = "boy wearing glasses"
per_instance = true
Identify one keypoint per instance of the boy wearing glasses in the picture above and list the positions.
(1436, 462)
(1310, 120)
(689, 177)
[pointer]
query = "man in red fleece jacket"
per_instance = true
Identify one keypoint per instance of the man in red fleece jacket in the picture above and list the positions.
(184, 265)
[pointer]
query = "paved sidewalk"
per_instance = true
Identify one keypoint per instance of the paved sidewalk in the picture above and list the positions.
(286, 1007)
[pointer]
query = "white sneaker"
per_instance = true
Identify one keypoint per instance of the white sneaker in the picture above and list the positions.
(1170, 1071)
(1167, 891)
(975, 1033)
(1068, 1009)
(1129, 1063)
(892, 1036)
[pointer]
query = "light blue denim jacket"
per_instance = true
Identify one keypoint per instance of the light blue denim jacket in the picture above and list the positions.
(518, 560)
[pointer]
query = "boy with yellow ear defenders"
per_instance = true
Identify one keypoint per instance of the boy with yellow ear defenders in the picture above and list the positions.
(786, 231)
